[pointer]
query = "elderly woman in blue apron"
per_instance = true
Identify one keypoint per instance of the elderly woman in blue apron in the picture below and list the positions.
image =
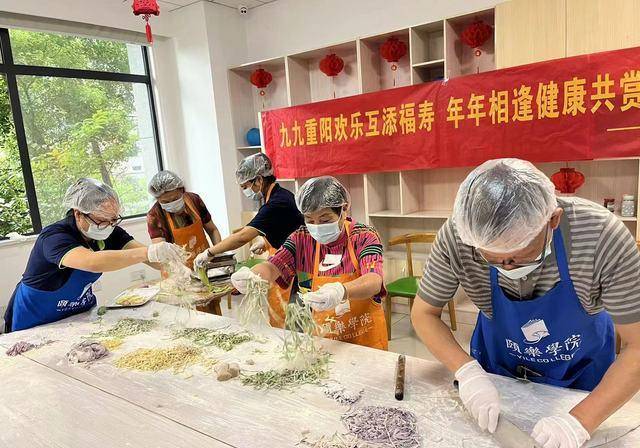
(551, 276)
(70, 255)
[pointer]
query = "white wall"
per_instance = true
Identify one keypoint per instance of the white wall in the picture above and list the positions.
(290, 26)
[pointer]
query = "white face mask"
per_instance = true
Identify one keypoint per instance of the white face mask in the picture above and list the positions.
(248, 192)
(98, 234)
(517, 273)
(325, 233)
(175, 206)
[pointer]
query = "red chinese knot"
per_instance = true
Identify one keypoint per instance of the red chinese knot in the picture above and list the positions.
(331, 64)
(567, 180)
(476, 34)
(261, 79)
(146, 9)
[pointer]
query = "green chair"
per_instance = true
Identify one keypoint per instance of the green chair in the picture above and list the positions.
(408, 286)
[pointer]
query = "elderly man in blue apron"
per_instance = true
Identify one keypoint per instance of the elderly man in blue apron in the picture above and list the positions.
(70, 255)
(554, 278)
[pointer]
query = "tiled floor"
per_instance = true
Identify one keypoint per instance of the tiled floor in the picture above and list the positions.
(403, 338)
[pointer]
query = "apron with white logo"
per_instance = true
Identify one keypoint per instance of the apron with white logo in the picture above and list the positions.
(550, 339)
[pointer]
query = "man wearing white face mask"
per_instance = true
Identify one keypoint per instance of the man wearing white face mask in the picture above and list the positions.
(179, 216)
(338, 264)
(551, 277)
(70, 255)
(276, 219)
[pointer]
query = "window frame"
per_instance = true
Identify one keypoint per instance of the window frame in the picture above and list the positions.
(11, 71)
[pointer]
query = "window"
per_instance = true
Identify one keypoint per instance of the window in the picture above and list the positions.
(72, 107)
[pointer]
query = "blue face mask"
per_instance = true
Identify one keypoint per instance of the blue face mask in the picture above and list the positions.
(175, 206)
(250, 194)
(325, 233)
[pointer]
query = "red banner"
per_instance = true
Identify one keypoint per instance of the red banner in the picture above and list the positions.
(576, 108)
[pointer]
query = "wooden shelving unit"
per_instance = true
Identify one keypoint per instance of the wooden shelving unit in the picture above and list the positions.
(420, 200)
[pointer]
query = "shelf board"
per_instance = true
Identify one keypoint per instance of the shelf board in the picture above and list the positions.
(249, 148)
(433, 63)
(422, 214)
(387, 214)
(627, 218)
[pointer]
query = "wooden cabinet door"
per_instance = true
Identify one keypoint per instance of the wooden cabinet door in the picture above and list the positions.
(530, 31)
(600, 25)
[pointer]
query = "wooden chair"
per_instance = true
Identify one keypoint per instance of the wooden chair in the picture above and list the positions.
(408, 286)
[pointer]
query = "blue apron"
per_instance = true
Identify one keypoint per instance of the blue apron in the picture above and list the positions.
(550, 339)
(32, 307)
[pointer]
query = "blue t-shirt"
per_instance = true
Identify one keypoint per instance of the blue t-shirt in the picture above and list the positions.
(278, 218)
(43, 270)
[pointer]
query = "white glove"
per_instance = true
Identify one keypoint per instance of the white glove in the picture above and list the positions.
(560, 431)
(164, 252)
(479, 395)
(240, 279)
(258, 247)
(327, 297)
(202, 259)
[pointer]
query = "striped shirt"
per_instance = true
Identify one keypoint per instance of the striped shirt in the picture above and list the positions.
(297, 255)
(604, 264)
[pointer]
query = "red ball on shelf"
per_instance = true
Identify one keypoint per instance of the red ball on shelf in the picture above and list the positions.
(261, 78)
(567, 180)
(331, 64)
(476, 34)
(393, 50)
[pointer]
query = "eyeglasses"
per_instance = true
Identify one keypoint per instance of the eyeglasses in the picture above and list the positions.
(101, 225)
(479, 258)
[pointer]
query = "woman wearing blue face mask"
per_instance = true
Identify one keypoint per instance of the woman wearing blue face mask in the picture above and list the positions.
(338, 265)
(70, 255)
(179, 216)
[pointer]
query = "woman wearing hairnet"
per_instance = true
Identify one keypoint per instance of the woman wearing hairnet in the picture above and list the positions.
(551, 276)
(179, 216)
(338, 264)
(276, 219)
(70, 255)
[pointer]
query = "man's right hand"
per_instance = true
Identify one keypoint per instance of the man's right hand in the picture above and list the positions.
(479, 395)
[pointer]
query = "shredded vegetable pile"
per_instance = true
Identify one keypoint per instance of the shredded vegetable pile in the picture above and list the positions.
(112, 343)
(207, 337)
(176, 358)
(126, 327)
(387, 426)
(288, 378)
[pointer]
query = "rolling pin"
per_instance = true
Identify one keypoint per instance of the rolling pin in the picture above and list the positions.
(400, 366)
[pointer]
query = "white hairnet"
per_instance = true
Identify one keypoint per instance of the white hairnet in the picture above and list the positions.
(321, 192)
(253, 166)
(164, 181)
(503, 205)
(92, 196)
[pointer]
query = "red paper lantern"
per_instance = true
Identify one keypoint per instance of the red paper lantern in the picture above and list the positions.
(476, 34)
(261, 79)
(331, 64)
(146, 9)
(567, 180)
(393, 50)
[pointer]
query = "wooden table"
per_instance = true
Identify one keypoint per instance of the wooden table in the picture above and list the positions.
(47, 402)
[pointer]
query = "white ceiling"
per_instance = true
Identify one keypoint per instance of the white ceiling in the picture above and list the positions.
(171, 5)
